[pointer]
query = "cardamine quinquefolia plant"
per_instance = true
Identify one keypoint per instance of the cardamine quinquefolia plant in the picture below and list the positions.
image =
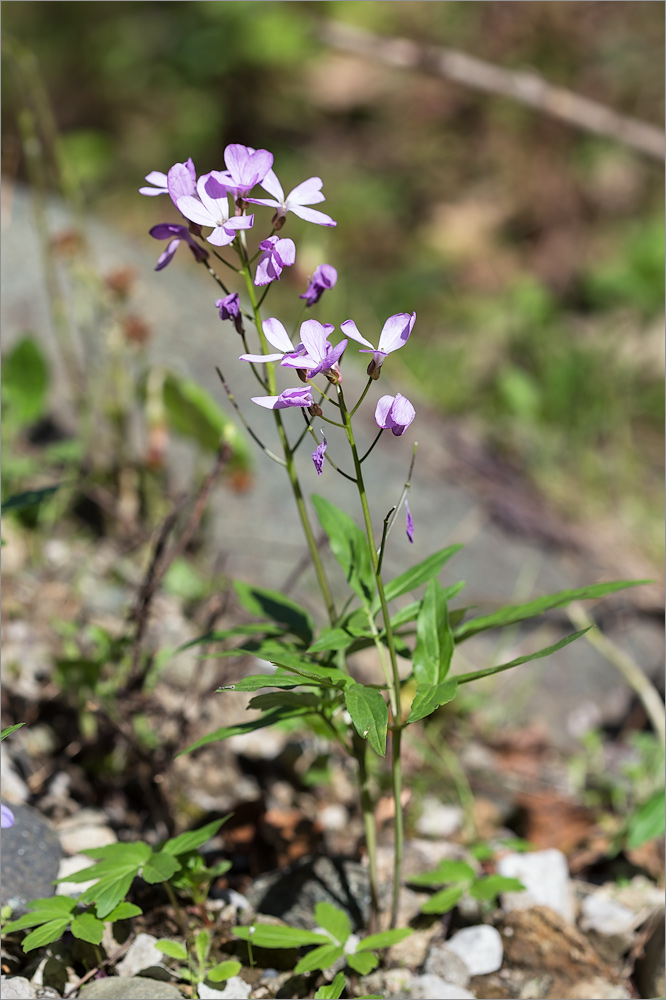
(313, 676)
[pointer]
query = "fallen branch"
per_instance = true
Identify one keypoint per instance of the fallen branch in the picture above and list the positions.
(524, 86)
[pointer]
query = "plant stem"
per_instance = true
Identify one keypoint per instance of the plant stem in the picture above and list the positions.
(360, 750)
(177, 910)
(394, 678)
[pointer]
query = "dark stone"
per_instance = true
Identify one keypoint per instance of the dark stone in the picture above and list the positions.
(292, 893)
(129, 988)
(30, 858)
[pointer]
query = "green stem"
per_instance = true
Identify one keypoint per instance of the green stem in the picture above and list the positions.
(177, 910)
(394, 679)
(360, 752)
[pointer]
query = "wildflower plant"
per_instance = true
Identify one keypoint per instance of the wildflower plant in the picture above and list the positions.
(299, 366)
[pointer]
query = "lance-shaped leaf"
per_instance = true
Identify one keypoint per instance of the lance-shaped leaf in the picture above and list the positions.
(261, 602)
(267, 936)
(423, 572)
(519, 612)
(277, 715)
(291, 699)
(349, 546)
(429, 697)
(489, 671)
(341, 638)
(369, 713)
(255, 682)
(434, 638)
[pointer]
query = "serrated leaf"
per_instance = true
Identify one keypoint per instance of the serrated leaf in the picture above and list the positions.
(362, 962)
(223, 970)
(349, 546)
(429, 697)
(369, 713)
(423, 572)
(519, 612)
(320, 958)
(172, 949)
(332, 991)
(108, 893)
(88, 928)
(123, 912)
(46, 934)
(446, 871)
(489, 671)
(262, 602)
(490, 887)
(194, 839)
(443, 901)
(267, 936)
(434, 638)
(277, 715)
(45, 910)
(384, 939)
(334, 920)
(160, 868)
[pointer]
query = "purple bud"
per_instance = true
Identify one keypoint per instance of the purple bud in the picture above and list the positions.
(325, 276)
(410, 523)
(318, 454)
(394, 413)
(229, 308)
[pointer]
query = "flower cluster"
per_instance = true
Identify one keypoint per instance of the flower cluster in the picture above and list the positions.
(218, 201)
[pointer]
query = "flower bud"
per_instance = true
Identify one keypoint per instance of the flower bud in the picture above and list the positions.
(315, 410)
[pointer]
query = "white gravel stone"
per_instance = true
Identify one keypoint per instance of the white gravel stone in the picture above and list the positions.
(236, 989)
(16, 988)
(141, 955)
(438, 820)
(446, 964)
(67, 867)
(429, 987)
(333, 817)
(545, 875)
(605, 916)
(479, 947)
(83, 838)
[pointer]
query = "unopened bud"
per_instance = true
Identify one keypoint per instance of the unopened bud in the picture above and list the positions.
(315, 410)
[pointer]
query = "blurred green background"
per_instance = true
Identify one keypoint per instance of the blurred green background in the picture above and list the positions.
(533, 253)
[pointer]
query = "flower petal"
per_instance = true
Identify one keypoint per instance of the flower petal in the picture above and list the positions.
(310, 215)
(261, 358)
(396, 331)
(167, 254)
(382, 411)
(180, 182)
(276, 335)
(271, 184)
(350, 329)
(318, 455)
(307, 193)
(314, 340)
(192, 209)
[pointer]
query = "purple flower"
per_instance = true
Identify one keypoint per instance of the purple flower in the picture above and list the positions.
(290, 397)
(318, 454)
(307, 193)
(277, 255)
(245, 168)
(6, 818)
(395, 334)
(180, 234)
(394, 413)
(410, 523)
(324, 277)
(213, 210)
(180, 181)
(276, 335)
(230, 309)
(319, 356)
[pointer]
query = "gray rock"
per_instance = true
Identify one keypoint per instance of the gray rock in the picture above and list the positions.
(292, 893)
(126, 988)
(17, 988)
(479, 947)
(235, 989)
(30, 858)
(141, 955)
(430, 987)
(605, 916)
(545, 875)
(447, 964)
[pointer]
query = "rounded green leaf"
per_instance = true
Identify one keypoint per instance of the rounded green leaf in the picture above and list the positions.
(224, 970)
(172, 949)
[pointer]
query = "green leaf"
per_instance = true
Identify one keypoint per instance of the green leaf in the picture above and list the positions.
(255, 682)
(46, 934)
(384, 939)
(362, 962)
(334, 920)
(369, 714)
(194, 839)
(328, 676)
(320, 958)
(338, 638)
(160, 868)
(261, 602)
(277, 715)
(87, 927)
(123, 912)
(647, 823)
(44, 910)
(108, 892)
(25, 378)
(294, 699)
(489, 671)
(223, 970)
(172, 949)
(267, 936)
(490, 887)
(29, 498)
(519, 612)
(9, 730)
(429, 697)
(220, 635)
(349, 546)
(202, 946)
(423, 572)
(443, 901)
(196, 415)
(333, 991)
(434, 638)
(446, 871)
